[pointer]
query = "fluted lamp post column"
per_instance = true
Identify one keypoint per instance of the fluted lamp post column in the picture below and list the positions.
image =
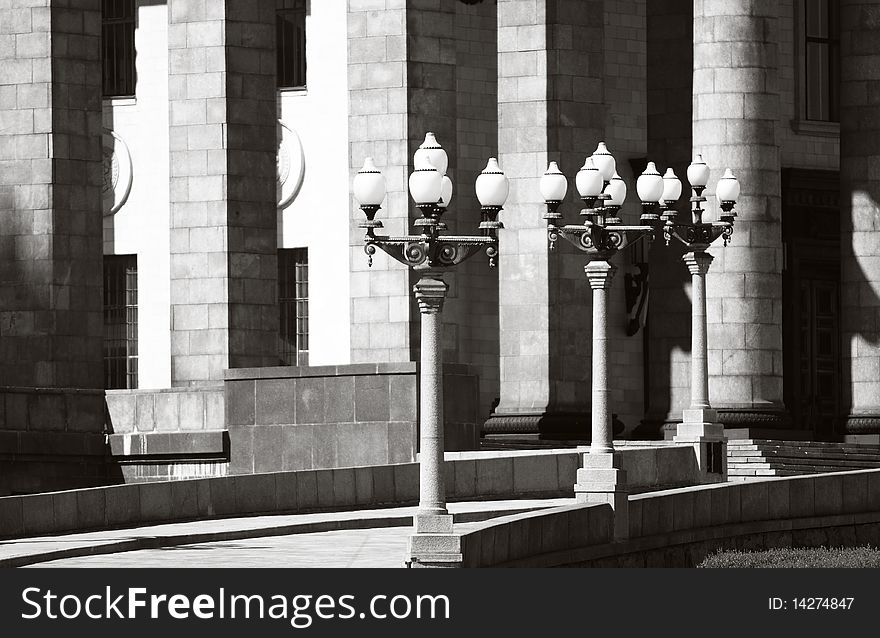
(601, 236)
(699, 421)
(431, 253)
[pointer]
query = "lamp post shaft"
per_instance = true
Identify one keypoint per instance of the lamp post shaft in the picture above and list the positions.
(600, 274)
(430, 292)
(698, 263)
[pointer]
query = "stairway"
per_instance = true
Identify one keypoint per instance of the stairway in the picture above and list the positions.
(751, 458)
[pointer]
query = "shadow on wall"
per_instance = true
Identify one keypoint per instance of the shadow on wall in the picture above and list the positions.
(860, 306)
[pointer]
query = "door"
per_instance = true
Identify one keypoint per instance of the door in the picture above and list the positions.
(819, 356)
(811, 299)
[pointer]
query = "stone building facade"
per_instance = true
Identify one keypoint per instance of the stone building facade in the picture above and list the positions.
(229, 133)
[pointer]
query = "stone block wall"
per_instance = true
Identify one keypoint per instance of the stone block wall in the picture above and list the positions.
(51, 326)
(49, 440)
(670, 111)
(338, 416)
(416, 67)
(859, 215)
(50, 266)
(223, 178)
(626, 133)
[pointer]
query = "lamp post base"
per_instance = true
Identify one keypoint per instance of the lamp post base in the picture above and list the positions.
(601, 480)
(434, 550)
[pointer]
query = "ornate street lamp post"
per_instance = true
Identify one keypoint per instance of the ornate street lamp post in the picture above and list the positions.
(699, 422)
(430, 253)
(601, 236)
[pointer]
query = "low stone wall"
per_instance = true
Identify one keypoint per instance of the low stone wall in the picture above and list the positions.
(290, 418)
(519, 536)
(280, 492)
(678, 528)
(51, 438)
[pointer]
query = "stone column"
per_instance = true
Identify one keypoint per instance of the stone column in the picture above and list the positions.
(551, 107)
(601, 480)
(600, 274)
(430, 293)
(401, 85)
(432, 543)
(736, 111)
(699, 421)
(51, 315)
(698, 265)
(223, 121)
(859, 215)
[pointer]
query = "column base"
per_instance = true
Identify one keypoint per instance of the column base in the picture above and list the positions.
(861, 423)
(601, 480)
(545, 425)
(439, 522)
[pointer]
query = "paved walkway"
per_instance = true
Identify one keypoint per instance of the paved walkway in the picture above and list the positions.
(360, 538)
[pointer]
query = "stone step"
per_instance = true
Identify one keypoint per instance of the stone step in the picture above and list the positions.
(800, 462)
(775, 468)
(803, 452)
(757, 443)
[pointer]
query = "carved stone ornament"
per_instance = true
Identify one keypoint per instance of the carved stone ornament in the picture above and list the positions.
(291, 165)
(117, 172)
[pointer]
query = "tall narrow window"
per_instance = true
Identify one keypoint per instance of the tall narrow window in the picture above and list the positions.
(117, 45)
(822, 59)
(290, 23)
(120, 322)
(293, 299)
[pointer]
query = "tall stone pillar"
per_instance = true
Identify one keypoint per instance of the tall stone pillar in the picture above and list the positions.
(223, 120)
(860, 216)
(736, 110)
(551, 107)
(401, 86)
(51, 315)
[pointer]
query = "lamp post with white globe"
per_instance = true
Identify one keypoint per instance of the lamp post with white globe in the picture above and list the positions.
(431, 253)
(699, 421)
(601, 235)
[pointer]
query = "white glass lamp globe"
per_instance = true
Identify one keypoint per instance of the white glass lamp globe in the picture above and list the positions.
(649, 185)
(445, 192)
(671, 186)
(617, 190)
(698, 172)
(431, 149)
(604, 161)
(554, 186)
(589, 180)
(425, 183)
(369, 185)
(728, 187)
(491, 185)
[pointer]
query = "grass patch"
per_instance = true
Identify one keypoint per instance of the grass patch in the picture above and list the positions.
(787, 557)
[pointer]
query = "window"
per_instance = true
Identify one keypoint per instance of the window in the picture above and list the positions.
(822, 60)
(117, 47)
(293, 301)
(290, 24)
(120, 322)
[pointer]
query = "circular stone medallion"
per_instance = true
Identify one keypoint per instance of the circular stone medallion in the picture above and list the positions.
(291, 165)
(117, 172)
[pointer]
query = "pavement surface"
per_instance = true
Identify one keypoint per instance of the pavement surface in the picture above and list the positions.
(357, 538)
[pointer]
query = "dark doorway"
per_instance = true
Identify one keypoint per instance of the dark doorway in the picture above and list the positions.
(811, 298)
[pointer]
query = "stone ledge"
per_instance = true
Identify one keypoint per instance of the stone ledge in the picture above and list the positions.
(169, 443)
(354, 369)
